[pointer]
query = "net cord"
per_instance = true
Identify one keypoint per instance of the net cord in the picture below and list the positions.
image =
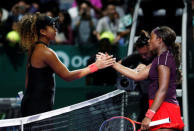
(25, 120)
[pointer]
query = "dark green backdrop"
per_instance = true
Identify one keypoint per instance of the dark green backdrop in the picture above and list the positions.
(12, 73)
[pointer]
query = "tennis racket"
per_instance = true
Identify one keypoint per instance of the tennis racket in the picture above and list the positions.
(121, 123)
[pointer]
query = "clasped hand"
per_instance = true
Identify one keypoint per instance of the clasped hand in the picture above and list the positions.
(104, 60)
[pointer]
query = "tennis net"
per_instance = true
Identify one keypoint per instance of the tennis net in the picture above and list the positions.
(84, 116)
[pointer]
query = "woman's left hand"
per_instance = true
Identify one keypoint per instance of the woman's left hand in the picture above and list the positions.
(145, 123)
(140, 67)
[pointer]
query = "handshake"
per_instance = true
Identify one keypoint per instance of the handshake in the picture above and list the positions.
(102, 61)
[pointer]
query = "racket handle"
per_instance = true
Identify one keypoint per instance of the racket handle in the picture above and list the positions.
(158, 122)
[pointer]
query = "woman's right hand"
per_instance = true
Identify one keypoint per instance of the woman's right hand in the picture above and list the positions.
(104, 60)
(145, 124)
(100, 55)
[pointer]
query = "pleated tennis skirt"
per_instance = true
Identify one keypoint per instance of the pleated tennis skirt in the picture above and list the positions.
(168, 110)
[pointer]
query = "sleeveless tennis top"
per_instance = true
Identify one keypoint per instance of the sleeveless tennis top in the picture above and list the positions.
(40, 91)
(167, 59)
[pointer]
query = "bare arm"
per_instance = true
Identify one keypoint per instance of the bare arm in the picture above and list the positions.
(164, 77)
(124, 33)
(60, 69)
(130, 73)
(140, 67)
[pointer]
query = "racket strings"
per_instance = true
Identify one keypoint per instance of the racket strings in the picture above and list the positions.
(118, 124)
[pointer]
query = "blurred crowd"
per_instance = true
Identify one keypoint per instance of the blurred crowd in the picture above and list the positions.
(81, 22)
(193, 16)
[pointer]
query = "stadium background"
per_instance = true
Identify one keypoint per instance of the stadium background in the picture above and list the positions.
(12, 75)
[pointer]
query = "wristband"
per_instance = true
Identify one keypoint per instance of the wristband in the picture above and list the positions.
(150, 113)
(93, 68)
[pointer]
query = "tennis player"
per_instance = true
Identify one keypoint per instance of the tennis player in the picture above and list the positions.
(36, 31)
(162, 72)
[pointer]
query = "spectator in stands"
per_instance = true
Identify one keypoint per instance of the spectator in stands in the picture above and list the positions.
(65, 31)
(109, 23)
(124, 29)
(34, 7)
(19, 9)
(95, 4)
(119, 6)
(162, 72)
(3, 14)
(3, 27)
(16, 13)
(49, 13)
(74, 11)
(65, 4)
(84, 26)
(36, 31)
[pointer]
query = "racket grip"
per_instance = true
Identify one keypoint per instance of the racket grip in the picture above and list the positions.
(158, 122)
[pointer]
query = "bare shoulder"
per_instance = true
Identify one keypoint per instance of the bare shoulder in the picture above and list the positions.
(44, 52)
(48, 52)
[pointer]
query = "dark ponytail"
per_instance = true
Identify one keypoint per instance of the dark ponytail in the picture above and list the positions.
(175, 49)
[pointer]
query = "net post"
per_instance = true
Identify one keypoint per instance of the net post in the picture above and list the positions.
(22, 125)
(123, 104)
